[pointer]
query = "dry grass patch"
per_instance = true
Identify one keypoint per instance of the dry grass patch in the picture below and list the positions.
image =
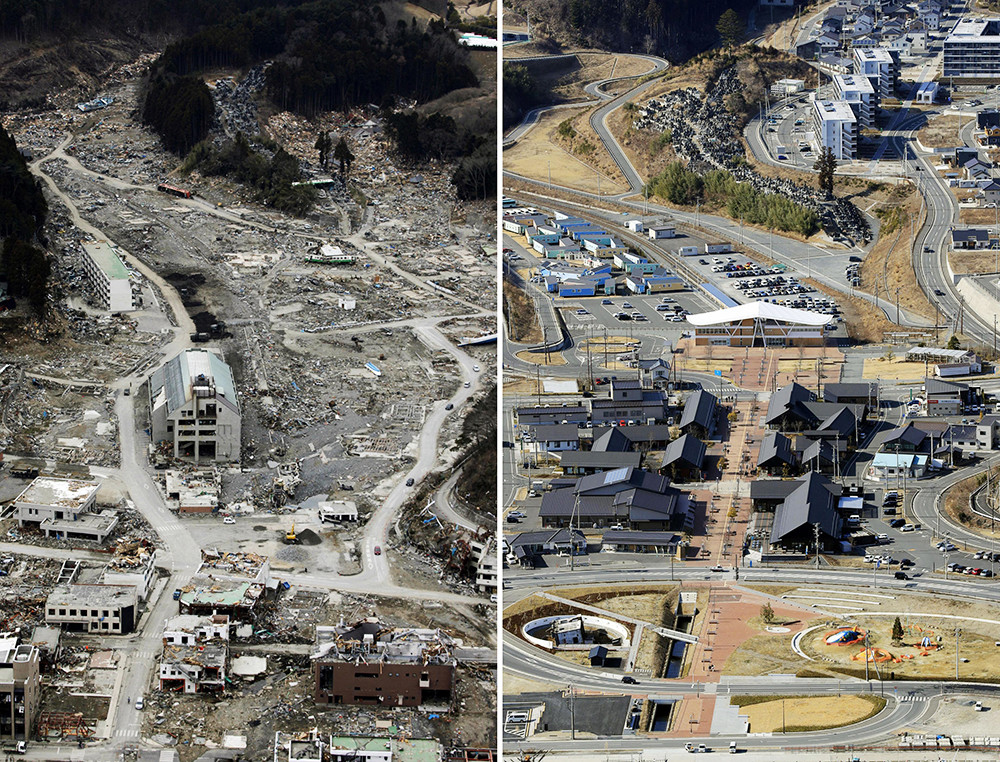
(942, 131)
(542, 151)
(973, 261)
(519, 311)
(892, 370)
(977, 216)
(805, 713)
(865, 322)
(956, 505)
(585, 144)
(890, 261)
(542, 358)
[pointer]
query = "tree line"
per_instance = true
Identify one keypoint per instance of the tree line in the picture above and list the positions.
(23, 209)
(675, 29)
(681, 186)
(271, 179)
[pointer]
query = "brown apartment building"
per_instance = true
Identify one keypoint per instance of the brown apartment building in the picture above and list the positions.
(369, 663)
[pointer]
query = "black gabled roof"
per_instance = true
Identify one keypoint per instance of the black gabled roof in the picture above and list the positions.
(841, 421)
(599, 459)
(908, 434)
(775, 445)
(812, 502)
(785, 398)
(700, 409)
(819, 448)
(634, 537)
(612, 440)
(686, 450)
(937, 386)
(837, 390)
(544, 536)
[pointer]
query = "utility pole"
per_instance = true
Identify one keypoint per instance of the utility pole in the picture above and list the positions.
(816, 536)
(958, 632)
(897, 305)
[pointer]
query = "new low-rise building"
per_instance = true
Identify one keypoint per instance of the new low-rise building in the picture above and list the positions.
(836, 127)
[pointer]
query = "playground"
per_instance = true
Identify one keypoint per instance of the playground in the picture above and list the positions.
(924, 647)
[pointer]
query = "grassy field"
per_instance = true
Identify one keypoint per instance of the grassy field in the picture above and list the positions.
(978, 216)
(539, 152)
(804, 713)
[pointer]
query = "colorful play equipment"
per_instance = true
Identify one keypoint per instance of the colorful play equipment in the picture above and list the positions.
(874, 655)
(844, 636)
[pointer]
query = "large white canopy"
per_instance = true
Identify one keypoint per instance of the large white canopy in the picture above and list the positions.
(760, 311)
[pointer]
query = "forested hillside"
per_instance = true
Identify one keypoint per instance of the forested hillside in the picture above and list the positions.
(23, 266)
(328, 55)
(674, 29)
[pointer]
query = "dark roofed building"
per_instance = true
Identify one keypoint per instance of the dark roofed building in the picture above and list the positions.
(583, 462)
(906, 438)
(527, 546)
(683, 459)
(612, 440)
(812, 502)
(627, 541)
(699, 414)
(626, 496)
(776, 455)
(817, 455)
(784, 400)
(856, 393)
(557, 437)
(547, 415)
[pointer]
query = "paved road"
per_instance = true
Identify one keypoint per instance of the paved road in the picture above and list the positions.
(593, 89)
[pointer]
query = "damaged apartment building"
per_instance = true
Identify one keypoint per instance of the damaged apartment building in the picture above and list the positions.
(20, 688)
(195, 653)
(194, 409)
(64, 509)
(103, 598)
(369, 663)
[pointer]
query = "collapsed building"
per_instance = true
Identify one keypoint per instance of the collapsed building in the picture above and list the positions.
(226, 583)
(195, 653)
(103, 598)
(369, 663)
(64, 509)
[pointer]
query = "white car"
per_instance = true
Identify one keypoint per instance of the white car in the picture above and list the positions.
(138, 703)
(229, 520)
(475, 368)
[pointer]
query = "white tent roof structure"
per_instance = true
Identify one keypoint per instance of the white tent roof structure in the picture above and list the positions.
(758, 311)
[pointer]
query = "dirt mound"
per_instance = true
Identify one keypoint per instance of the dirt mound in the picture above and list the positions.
(309, 537)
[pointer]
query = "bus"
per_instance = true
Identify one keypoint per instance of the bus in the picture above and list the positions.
(173, 190)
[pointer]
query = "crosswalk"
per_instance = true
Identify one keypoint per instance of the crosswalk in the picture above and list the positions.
(129, 732)
(912, 698)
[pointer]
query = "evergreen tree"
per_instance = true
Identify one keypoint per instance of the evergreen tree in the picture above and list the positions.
(730, 27)
(342, 153)
(826, 165)
(897, 630)
(323, 146)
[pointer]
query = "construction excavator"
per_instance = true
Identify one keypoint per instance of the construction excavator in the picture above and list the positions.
(291, 538)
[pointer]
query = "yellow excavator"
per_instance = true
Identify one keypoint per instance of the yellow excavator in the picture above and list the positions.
(290, 537)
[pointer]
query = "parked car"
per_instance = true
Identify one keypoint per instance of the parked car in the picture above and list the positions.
(629, 680)
(378, 550)
(908, 528)
(229, 520)
(409, 482)
(900, 575)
